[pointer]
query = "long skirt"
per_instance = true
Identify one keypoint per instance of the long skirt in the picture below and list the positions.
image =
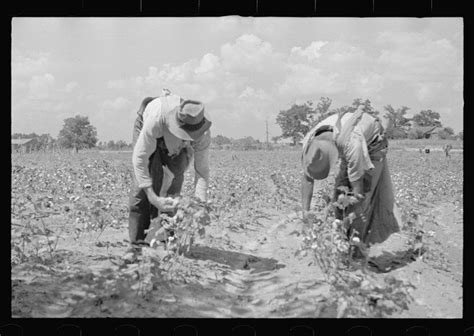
(381, 217)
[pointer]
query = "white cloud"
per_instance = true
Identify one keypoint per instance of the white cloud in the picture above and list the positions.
(37, 92)
(209, 62)
(116, 104)
(114, 117)
(449, 116)
(458, 86)
(267, 27)
(400, 38)
(40, 87)
(243, 66)
(368, 84)
(250, 93)
(117, 84)
(174, 74)
(27, 66)
(249, 79)
(306, 80)
(250, 55)
(71, 86)
(311, 52)
(228, 24)
(329, 68)
(253, 103)
(417, 56)
(428, 92)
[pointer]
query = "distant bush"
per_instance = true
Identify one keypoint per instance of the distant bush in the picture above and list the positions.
(446, 133)
(415, 133)
(396, 133)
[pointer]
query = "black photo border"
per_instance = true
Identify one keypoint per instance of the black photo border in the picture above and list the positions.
(254, 8)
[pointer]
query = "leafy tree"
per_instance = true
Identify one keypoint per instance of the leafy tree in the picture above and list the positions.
(398, 124)
(320, 112)
(220, 140)
(275, 139)
(415, 133)
(247, 143)
(396, 133)
(77, 133)
(461, 135)
(366, 106)
(24, 136)
(45, 141)
(294, 122)
(446, 133)
(427, 118)
(120, 145)
(343, 109)
(111, 145)
(449, 130)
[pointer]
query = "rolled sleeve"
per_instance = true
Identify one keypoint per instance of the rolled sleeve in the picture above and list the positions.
(144, 148)
(201, 165)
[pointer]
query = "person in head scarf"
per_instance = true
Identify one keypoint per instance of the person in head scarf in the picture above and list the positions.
(354, 142)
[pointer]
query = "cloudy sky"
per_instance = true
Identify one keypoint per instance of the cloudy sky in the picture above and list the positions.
(244, 69)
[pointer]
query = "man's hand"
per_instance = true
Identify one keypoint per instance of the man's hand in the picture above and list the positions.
(164, 204)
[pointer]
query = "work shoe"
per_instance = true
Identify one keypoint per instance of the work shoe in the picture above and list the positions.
(133, 251)
(139, 244)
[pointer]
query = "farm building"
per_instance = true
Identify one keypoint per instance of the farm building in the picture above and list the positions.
(430, 132)
(286, 142)
(24, 145)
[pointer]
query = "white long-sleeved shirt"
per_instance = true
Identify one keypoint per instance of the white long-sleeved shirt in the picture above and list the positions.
(154, 127)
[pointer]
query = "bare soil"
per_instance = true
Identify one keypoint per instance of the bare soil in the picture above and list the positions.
(253, 272)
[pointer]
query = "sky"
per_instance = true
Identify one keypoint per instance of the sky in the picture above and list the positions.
(245, 70)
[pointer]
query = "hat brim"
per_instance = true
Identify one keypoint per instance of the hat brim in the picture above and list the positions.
(175, 128)
(319, 168)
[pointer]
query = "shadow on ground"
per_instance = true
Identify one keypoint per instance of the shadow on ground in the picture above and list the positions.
(389, 261)
(234, 260)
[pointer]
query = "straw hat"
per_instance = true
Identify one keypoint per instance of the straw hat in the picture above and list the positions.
(319, 156)
(188, 121)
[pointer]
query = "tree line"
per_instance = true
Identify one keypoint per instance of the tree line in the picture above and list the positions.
(77, 133)
(296, 121)
(245, 143)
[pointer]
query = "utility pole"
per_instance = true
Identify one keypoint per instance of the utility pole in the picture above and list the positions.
(266, 126)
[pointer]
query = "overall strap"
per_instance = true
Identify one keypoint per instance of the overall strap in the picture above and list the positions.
(164, 104)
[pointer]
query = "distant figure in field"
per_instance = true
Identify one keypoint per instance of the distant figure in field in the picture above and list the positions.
(447, 148)
(357, 140)
(168, 132)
